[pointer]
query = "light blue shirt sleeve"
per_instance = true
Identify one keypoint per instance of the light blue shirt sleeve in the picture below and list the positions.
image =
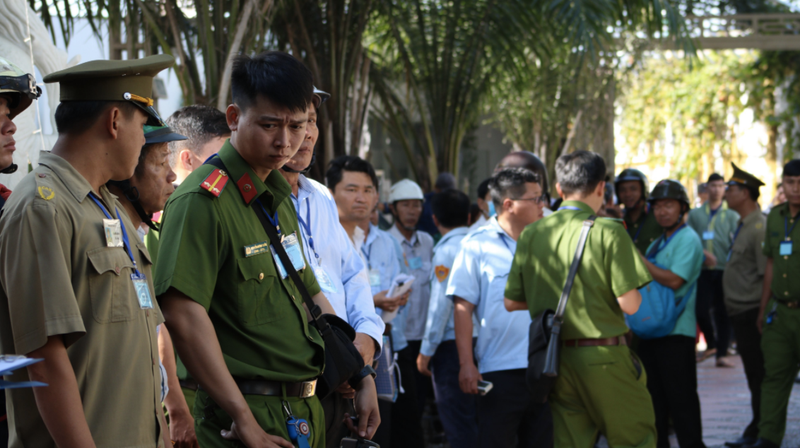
(440, 308)
(465, 276)
(358, 295)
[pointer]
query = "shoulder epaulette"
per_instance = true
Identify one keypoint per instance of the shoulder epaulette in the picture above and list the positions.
(215, 182)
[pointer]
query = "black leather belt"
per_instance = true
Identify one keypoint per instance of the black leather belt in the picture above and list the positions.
(303, 389)
(188, 384)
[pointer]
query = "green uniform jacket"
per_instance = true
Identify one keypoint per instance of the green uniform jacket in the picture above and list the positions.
(723, 224)
(744, 274)
(258, 317)
(785, 268)
(610, 267)
(644, 231)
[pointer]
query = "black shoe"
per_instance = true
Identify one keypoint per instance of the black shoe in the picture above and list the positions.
(741, 441)
(762, 443)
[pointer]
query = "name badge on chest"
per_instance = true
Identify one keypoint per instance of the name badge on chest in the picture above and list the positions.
(113, 230)
(708, 235)
(786, 248)
(374, 278)
(292, 247)
(142, 291)
(415, 263)
(324, 280)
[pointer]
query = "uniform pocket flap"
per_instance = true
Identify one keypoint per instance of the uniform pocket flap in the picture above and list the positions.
(113, 259)
(257, 268)
(145, 254)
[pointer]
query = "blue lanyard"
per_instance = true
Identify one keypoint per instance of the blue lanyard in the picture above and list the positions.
(306, 226)
(666, 241)
(366, 252)
(641, 226)
(786, 230)
(125, 241)
(568, 207)
(272, 219)
(503, 237)
(733, 241)
(711, 212)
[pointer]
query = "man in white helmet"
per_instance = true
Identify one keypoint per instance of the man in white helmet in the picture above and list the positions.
(17, 91)
(405, 202)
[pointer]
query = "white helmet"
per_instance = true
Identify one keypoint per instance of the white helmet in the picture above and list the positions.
(404, 190)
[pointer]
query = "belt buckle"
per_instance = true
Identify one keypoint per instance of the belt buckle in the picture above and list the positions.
(308, 389)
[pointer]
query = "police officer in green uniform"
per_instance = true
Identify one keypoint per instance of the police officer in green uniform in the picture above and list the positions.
(78, 291)
(631, 189)
(743, 282)
(238, 324)
(601, 386)
(779, 316)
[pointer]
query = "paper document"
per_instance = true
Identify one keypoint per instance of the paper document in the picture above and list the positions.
(401, 285)
(10, 363)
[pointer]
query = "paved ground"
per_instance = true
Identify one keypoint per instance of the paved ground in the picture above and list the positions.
(725, 405)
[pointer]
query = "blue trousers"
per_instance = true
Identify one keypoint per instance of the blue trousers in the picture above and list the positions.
(457, 410)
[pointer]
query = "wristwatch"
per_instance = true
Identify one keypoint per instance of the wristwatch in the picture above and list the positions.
(355, 380)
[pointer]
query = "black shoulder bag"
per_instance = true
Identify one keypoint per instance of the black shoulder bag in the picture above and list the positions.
(342, 359)
(544, 344)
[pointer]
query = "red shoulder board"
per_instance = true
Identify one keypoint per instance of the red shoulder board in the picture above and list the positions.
(215, 182)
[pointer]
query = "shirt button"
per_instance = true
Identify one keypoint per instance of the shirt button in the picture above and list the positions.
(786, 293)
(785, 257)
(261, 276)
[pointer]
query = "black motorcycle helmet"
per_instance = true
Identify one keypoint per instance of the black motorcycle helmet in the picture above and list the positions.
(671, 189)
(630, 174)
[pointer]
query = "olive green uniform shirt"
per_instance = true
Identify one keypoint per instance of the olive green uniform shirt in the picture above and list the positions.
(723, 224)
(60, 279)
(785, 268)
(610, 267)
(258, 317)
(644, 231)
(744, 273)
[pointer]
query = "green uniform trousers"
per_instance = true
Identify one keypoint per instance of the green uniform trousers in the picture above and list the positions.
(600, 390)
(780, 343)
(209, 419)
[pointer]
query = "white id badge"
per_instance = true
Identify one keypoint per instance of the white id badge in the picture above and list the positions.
(324, 281)
(142, 291)
(374, 278)
(113, 231)
(708, 235)
(786, 248)
(292, 248)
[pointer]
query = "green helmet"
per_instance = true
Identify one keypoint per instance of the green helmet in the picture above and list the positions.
(21, 85)
(669, 189)
(629, 174)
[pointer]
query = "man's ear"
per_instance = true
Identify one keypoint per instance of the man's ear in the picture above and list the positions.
(600, 189)
(435, 221)
(560, 192)
(185, 159)
(232, 115)
(112, 121)
(507, 204)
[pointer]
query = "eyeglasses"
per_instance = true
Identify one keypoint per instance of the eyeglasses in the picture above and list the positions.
(537, 200)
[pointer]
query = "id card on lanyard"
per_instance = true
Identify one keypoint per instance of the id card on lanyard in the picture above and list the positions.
(708, 235)
(786, 245)
(112, 227)
(290, 244)
(324, 280)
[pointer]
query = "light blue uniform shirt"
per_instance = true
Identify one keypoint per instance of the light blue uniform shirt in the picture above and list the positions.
(417, 255)
(383, 255)
(440, 325)
(684, 257)
(348, 288)
(479, 276)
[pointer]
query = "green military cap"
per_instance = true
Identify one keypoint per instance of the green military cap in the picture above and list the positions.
(104, 80)
(161, 134)
(743, 178)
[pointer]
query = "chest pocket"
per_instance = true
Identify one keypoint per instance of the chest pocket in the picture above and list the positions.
(497, 274)
(260, 297)
(111, 290)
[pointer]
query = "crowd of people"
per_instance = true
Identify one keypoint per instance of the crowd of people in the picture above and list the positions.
(139, 262)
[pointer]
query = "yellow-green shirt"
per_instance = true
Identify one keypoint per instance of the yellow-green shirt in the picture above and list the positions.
(610, 267)
(258, 317)
(785, 268)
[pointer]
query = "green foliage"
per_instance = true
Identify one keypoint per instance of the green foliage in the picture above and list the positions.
(681, 116)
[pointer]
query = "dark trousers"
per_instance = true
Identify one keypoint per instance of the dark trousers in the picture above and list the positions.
(507, 413)
(457, 410)
(748, 343)
(335, 406)
(672, 382)
(404, 428)
(712, 316)
(423, 383)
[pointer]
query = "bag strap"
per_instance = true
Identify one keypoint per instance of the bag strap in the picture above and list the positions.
(573, 269)
(314, 309)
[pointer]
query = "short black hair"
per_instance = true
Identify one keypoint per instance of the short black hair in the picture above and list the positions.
(348, 163)
(200, 124)
(275, 75)
(714, 177)
(75, 117)
(451, 208)
(792, 168)
(509, 183)
(483, 188)
(445, 181)
(580, 171)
